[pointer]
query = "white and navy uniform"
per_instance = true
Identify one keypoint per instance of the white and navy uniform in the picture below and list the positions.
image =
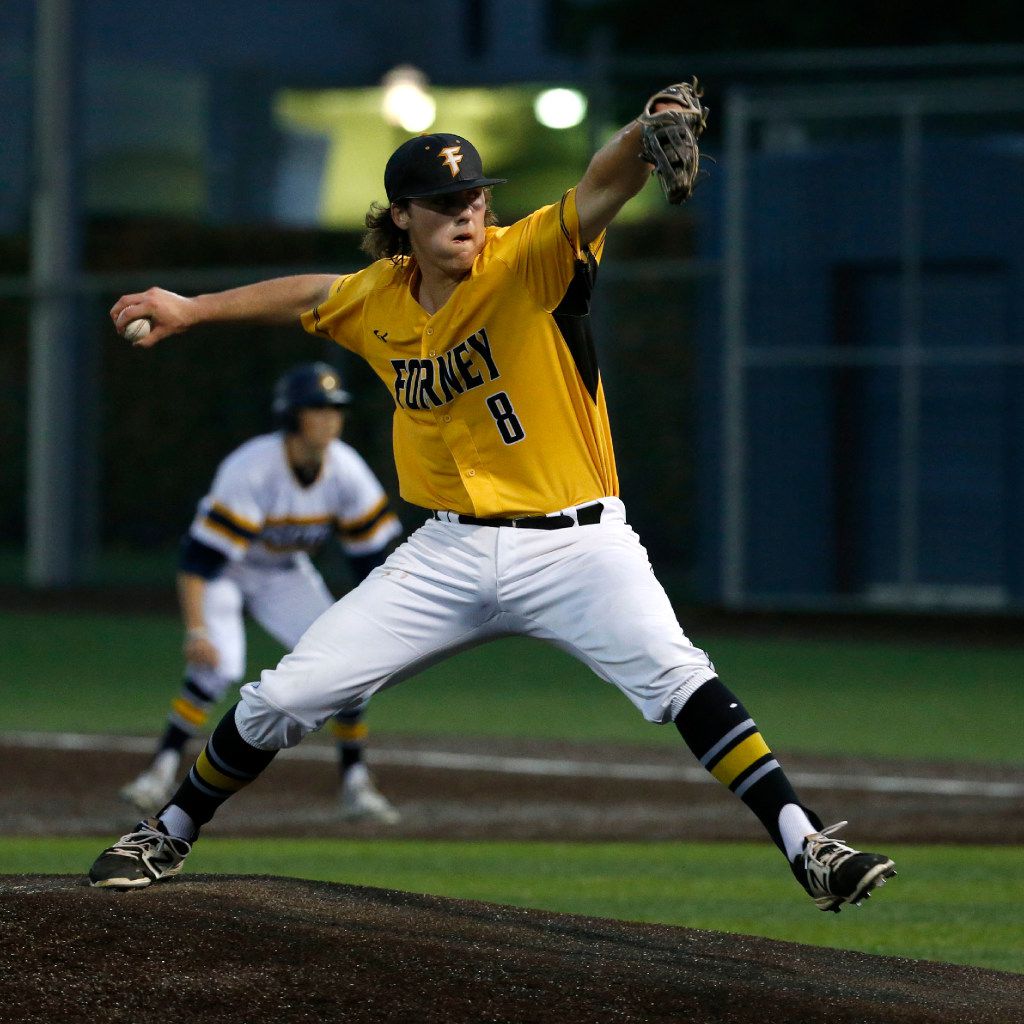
(499, 414)
(265, 522)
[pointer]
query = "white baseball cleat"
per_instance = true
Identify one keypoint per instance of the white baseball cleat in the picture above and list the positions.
(150, 790)
(360, 801)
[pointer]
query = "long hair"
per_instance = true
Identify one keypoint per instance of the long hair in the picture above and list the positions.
(384, 239)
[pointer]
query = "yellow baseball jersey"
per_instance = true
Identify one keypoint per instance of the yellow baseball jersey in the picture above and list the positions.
(499, 406)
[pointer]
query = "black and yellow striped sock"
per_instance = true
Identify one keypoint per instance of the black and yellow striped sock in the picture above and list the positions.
(726, 741)
(190, 711)
(350, 731)
(224, 766)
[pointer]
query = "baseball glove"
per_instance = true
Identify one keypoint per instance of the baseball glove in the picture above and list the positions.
(669, 138)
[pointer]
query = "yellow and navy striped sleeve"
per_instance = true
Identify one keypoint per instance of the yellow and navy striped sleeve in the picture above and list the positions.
(370, 531)
(225, 529)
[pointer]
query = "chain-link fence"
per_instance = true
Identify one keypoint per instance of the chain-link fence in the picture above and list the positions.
(872, 345)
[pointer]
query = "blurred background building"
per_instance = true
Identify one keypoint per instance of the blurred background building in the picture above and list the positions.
(814, 369)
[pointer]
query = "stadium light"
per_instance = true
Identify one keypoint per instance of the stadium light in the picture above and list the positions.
(560, 108)
(406, 102)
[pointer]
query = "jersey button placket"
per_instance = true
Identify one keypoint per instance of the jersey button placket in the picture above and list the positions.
(444, 418)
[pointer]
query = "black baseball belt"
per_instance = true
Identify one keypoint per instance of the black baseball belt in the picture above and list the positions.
(586, 515)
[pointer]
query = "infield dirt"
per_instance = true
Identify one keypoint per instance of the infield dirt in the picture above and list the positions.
(232, 949)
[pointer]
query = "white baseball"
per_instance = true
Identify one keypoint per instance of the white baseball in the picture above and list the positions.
(136, 330)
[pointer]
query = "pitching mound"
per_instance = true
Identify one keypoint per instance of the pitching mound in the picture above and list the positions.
(243, 949)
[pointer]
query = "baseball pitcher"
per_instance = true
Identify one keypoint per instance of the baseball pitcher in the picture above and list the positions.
(481, 334)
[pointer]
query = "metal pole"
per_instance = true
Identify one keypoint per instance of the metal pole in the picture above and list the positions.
(734, 299)
(52, 417)
(911, 280)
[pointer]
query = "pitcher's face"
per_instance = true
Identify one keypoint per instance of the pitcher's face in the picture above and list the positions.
(446, 231)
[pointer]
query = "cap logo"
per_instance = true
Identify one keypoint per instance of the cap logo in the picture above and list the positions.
(452, 157)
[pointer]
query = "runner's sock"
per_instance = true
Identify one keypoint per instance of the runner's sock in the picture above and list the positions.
(350, 731)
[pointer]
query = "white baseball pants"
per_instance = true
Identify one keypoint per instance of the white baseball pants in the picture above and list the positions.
(589, 590)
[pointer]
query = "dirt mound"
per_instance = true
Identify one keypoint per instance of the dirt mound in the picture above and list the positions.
(242, 949)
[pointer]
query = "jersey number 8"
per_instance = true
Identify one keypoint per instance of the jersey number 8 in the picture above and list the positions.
(509, 427)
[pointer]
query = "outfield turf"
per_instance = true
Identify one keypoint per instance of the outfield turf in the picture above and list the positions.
(943, 906)
(107, 673)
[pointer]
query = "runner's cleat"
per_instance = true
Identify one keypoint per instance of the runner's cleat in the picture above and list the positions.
(149, 791)
(360, 801)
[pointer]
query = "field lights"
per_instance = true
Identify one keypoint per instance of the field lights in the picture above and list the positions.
(406, 102)
(560, 108)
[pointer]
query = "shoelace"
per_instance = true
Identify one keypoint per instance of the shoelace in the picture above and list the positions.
(149, 841)
(833, 828)
(833, 847)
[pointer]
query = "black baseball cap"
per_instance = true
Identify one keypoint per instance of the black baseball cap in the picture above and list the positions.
(434, 165)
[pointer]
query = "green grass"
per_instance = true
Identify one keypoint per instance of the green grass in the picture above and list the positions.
(943, 906)
(113, 565)
(104, 672)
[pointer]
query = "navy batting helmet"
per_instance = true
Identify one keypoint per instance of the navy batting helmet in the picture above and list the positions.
(309, 386)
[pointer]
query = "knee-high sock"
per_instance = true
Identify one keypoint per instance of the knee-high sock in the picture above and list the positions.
(189, 712)
(726, 741)
(224, 766)
(350, 732)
